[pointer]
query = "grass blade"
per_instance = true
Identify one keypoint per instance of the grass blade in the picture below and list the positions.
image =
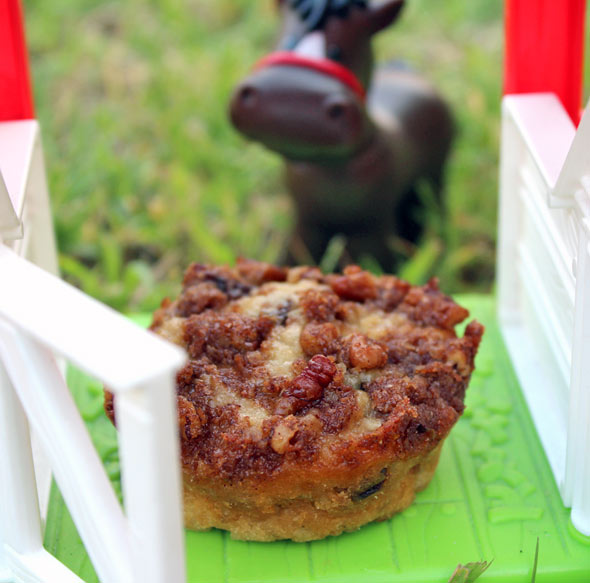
(535, 562)
(333, 253)
(469, 573)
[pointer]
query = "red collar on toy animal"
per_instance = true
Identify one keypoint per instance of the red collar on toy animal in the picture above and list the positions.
(325, 66)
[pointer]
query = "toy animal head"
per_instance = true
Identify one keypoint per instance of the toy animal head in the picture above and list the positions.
(306, 100)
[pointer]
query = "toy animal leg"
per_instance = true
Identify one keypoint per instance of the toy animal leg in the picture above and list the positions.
(371, 248)
(423, 197)
(306, 245)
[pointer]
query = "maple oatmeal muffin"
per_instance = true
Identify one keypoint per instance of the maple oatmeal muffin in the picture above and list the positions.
(311, 404)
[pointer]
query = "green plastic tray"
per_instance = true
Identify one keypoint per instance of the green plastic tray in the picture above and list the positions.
(492, 497)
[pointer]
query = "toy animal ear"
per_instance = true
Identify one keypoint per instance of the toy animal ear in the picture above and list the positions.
(384, 13)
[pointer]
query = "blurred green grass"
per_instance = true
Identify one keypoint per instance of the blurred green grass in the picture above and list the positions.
(146, 174)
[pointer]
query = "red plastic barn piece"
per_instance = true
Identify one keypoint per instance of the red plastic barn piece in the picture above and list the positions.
(545, 49)
(15, 88)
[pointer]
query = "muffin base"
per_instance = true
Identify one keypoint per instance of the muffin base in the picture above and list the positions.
(308, 512)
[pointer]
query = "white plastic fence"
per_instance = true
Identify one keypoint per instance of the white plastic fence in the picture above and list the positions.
(544, 281)
(41, 317)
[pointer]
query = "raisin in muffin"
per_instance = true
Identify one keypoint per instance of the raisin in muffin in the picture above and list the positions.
(311, 404)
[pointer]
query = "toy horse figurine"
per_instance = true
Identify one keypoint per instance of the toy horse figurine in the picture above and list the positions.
(355, 145)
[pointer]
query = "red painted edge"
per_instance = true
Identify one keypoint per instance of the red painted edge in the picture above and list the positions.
(325, 66)
(16, 100)
(545, 49)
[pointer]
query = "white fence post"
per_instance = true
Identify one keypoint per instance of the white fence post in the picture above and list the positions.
(43, 315)
(544, 281)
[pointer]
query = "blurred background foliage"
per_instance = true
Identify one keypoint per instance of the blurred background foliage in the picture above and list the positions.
(146, 174)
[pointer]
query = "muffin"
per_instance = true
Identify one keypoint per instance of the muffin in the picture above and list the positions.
(311, 404)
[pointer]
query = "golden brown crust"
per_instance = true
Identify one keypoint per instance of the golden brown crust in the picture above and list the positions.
(310, 395)
(313, 510)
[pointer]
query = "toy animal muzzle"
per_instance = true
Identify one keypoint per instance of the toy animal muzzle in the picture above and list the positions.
(325, 102)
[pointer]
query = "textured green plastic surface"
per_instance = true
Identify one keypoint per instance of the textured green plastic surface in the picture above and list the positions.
(492, 496)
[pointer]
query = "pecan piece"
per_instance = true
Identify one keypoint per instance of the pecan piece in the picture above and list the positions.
(316, 338)
(190, 419)
(308, 386)
(365, 353)
(355, 284)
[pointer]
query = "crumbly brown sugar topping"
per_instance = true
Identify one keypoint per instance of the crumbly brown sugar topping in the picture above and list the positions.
(291, 366)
